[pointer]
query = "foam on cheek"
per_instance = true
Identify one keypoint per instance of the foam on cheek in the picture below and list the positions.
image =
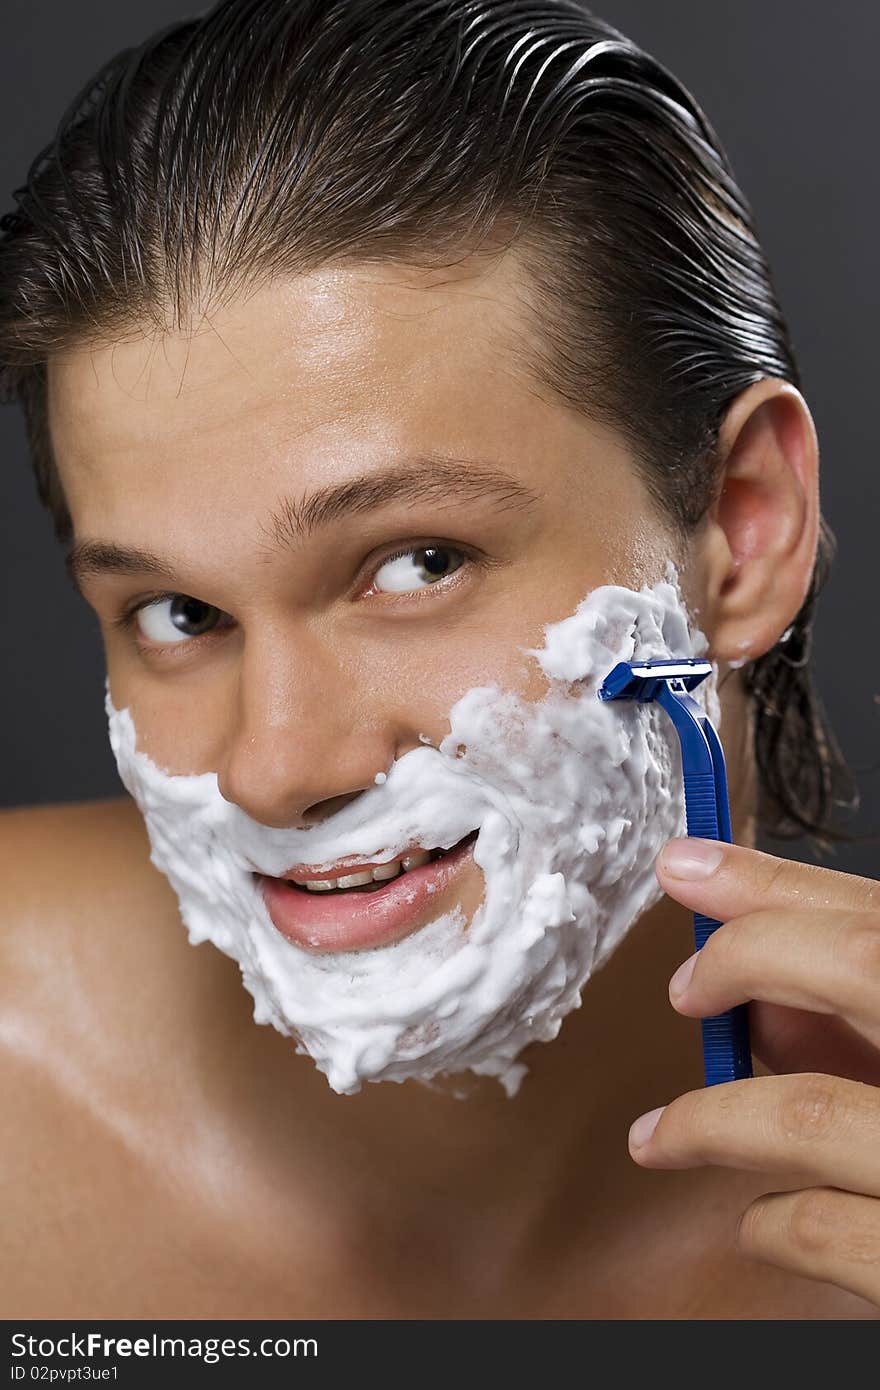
(573, 800)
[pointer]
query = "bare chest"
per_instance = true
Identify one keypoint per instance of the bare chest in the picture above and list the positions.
(95, 1231)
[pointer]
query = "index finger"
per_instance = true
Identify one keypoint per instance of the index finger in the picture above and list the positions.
(724, 881)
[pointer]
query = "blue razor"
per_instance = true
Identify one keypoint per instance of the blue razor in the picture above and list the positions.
(726, 1052)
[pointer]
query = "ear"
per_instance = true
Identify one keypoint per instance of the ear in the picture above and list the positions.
(757, 546)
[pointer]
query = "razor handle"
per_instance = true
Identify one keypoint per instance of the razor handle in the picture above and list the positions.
(727, 1054)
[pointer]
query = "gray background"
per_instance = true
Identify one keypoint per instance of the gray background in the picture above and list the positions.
(791, 90)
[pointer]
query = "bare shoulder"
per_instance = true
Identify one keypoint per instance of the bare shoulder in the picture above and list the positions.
(94, 969)
(78, 891)
(86, 926)
(72, 870)
(95, 962)
(83, 838)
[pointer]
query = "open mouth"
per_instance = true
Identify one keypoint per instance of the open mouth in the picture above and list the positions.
(382, 876)
(365, 915)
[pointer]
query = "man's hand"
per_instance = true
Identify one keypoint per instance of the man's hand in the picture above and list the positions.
(802, 945)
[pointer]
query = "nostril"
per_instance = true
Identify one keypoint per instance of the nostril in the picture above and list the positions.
(321, 811)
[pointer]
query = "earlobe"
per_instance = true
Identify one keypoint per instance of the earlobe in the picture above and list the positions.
(759, 541)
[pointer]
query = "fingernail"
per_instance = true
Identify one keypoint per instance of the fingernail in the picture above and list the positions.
(642, 1128)
(682, 977)
(691, 858)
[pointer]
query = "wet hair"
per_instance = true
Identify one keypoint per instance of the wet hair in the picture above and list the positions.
(271, 137)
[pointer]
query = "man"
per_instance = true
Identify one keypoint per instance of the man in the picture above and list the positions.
(209, 1169)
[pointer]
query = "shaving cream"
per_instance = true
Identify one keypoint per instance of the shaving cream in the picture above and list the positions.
(572, 798)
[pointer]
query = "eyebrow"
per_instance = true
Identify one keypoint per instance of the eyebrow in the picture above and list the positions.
(433, 479)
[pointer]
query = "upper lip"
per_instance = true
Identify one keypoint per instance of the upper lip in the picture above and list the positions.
(302, 873)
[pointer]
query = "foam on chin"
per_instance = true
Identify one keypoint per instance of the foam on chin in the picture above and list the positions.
(573, 800)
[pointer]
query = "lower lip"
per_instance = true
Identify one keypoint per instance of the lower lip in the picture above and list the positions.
(357, 921)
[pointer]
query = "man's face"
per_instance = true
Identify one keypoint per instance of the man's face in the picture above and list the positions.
(192, 447)
(361, 508)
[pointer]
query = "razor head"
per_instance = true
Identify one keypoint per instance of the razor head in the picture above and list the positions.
(640, 680)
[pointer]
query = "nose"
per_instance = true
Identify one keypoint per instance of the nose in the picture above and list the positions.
(305, 736)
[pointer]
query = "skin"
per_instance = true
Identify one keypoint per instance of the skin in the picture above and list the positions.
(246, 1187)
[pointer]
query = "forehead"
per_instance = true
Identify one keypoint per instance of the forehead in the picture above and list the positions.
(305, 380)
(349, 344)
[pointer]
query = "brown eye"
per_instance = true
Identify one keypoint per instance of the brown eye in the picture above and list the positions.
(418, 568)
(176, 619)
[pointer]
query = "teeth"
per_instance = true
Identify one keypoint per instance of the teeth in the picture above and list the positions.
(382, 872)
(387, 870)
(416, 859)
(354, 880)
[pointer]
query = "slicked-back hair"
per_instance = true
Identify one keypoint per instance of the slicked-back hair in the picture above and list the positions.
(271, 137)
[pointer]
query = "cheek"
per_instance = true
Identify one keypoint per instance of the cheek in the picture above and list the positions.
(175, 726)
(436, 679)
(181, 712)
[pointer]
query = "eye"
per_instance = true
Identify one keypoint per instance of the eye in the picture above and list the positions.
(176, 618)
(428, 564)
